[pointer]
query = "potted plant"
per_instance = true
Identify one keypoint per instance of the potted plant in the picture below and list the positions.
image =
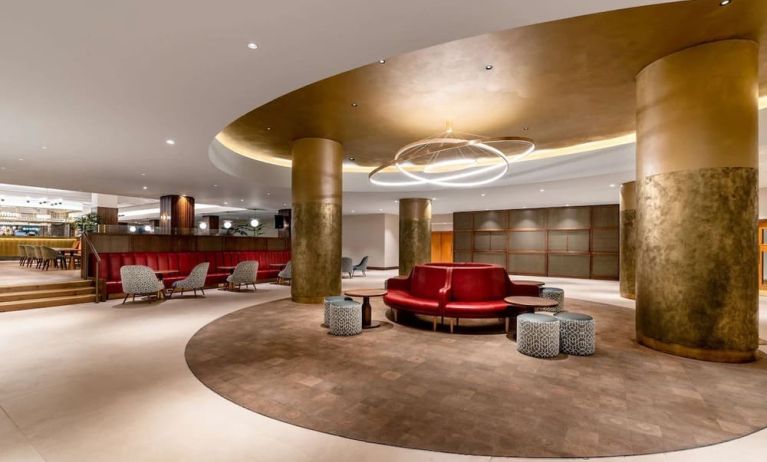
(87, 223)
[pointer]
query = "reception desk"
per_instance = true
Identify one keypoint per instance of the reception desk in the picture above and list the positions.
(9, 246)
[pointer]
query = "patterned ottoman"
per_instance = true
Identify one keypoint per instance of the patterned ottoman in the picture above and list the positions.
(345, 317)
(576, 333)
(538, 335)
(328, 301)
(554, 294)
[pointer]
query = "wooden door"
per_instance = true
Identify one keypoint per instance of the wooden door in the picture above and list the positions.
(442, 247)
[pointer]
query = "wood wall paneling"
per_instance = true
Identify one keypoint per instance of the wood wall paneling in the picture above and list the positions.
(441, 246)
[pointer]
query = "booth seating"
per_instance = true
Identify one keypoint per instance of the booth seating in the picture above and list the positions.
(455, 291)
(184, 262)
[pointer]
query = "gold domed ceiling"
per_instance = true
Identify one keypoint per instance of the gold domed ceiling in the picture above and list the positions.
(563, 84)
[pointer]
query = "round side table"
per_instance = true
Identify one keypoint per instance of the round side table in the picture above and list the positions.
(367, 321)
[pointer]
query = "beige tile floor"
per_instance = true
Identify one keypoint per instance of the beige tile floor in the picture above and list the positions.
(106, 382)
(11, 274)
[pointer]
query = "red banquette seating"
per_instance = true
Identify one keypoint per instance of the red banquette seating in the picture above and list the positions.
(457, 290)
(109, 267)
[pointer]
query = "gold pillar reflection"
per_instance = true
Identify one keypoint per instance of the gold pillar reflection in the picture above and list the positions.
(628, 261)
(414, 233)
(316, 233)
(697, 185)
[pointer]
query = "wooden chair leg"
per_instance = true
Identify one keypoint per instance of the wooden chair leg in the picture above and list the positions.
(195, 293)
(203, 291)
(126, 298)
(394, 313)
(134, 298)
(451, 325)
(170, 294)
(434, 324)
(507, 324)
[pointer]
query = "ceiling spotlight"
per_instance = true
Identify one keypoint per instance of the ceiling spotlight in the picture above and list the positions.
(254, 223)
(489, 67)
(43, 147)
(396, 201)
(215, 186)
(380, 210)
(381, 61)
(542, 190)
(148, 228)
(567, 205)
(242, 200)
(143, 174)
(612, 185)
(483, 194)
(170, 141)
(203, 225)
(132, 229)
(353, 211)
(252, 45)
(21, 159)
(144, 188)
(725, 2)
(227, 224)
(268, 129)
(268, 194)
(226, 203)
(352, 159)
(433, 198)
(525, 128)
(355, 104)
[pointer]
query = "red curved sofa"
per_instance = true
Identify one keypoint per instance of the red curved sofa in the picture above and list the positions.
(111, 262)
(455, 291)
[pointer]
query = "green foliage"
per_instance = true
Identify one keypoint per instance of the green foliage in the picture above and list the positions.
(247, 230)
(87, 223)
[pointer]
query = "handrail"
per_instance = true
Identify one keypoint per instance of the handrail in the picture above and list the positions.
(92, 249)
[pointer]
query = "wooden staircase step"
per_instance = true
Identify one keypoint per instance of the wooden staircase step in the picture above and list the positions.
(47, 286)
(47, 293)
(46, 302)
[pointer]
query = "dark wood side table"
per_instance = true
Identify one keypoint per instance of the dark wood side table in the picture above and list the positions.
(367, 321)
(525, 282)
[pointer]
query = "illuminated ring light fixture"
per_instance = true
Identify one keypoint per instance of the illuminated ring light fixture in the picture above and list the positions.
(466, 159)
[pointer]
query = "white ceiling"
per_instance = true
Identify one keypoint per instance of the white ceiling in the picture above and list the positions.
(90, 90)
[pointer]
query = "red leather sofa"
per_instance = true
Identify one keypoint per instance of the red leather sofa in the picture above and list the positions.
(455, 291)
(111, 262)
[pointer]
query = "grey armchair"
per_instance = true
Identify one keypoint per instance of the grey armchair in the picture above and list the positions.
(286, 274)
(244, 273)
(347, 266)
(362, 266)
(140, 280)
(195, 280)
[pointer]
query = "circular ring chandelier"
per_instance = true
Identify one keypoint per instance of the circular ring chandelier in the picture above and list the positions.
(452, 160)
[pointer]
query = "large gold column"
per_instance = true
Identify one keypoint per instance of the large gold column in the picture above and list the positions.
(628, 240)
(316, 233)
(414, 233)
(696, 282)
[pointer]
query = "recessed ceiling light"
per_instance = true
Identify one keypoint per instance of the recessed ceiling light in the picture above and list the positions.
(725, 2)
(353, 211)
(395, 200)
(542, 190)
(43, 147)
(21, 159)
(489, 67)
(2, 168)
(252, 45)
(352, 159)
(381, 61)
(355, 104)
(525, 128)
(268, 128)
(215, 186)
(284, 204)
(143, 174)
(226, 203)
(268, 194)
(567, 205)
(483, 194)
(170, 141)
(242, 200)
(433, 198)
(612, 185)
(144, 188)
(380, 210)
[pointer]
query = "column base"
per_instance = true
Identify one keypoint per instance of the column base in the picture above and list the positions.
(718, 356)
(308, 300)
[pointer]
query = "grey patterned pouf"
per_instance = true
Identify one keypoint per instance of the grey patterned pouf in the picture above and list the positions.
(576, 333)
(554, 294)
(328, 301)
(538, 335)
(345, 318)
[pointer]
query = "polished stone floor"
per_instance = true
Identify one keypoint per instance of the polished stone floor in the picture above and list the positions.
(472, 392)
(11, 274)
(96, 382)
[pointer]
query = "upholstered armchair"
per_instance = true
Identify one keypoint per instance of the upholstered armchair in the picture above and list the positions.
(244, 273)
(347, 266)
(286, 274)
(49, 255)
(362, 266)
(140, 280)
(195, 280)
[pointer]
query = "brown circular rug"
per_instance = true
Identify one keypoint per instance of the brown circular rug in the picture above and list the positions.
(471, 392)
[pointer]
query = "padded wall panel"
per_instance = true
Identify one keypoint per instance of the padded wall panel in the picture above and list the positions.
(493, 219)
(463, 220)
(605, 266)
(462, 240)
(575, 266)
(605, 216)
(495, 258)
(527, 263)
(498, 241)
(527, 240)
(481, 241)
(569, 218)
(605, 240)
(527, 219)
(461, 256)
(569, 241)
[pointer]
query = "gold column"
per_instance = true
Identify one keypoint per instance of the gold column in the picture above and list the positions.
(414, 233)
(697, 183)
(316, 233)
(628, 261)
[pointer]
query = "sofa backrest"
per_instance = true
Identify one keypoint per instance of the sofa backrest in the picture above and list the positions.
(426, 281)
(111, 262)
(479, 283)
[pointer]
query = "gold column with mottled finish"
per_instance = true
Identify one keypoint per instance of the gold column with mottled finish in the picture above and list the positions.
(628, 260)
(697, 185)
(316, 233)
(414, 233)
